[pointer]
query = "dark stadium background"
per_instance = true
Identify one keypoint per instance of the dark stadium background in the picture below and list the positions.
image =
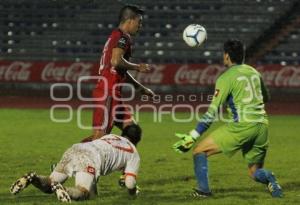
(43, 42)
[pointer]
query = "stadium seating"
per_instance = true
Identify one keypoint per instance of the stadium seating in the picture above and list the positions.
(287, 50)
(77, 30)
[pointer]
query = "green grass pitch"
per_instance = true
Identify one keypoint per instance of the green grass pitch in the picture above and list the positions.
(30, 141)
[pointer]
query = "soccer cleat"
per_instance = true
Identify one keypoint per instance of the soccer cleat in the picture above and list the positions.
(275, 190)
(273, 186)
(22, 183)
(61, 193)
(199, 194)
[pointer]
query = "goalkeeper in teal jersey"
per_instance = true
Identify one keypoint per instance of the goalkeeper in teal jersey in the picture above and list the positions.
(241, 89)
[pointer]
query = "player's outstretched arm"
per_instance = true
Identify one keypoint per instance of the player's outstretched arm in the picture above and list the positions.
(141, 88)
(118, 61)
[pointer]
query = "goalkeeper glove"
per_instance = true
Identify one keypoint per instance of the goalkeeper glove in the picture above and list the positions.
(185, 143)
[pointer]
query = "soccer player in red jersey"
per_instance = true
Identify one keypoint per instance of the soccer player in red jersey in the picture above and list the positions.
(113, 70)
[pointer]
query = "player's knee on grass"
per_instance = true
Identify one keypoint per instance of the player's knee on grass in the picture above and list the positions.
(77, 193)
(84, 183)
(83, 186)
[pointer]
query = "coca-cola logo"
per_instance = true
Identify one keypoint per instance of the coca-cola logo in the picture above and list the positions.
(268, 75)
(275, 75)
(71, 73)
(16, 71)
(202, 76)
(288, 76)
(155, 77)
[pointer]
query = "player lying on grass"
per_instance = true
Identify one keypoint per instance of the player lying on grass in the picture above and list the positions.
(241, 88)
(88, 161)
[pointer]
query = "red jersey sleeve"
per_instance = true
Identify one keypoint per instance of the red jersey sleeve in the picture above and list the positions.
(117, 39)
(124, 42)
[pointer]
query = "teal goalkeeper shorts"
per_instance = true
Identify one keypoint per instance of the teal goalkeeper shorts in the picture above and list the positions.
(251, 139)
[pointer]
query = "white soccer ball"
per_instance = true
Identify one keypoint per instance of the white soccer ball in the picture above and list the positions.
(194, 35)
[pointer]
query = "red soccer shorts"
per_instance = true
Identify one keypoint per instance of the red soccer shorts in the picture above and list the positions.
(109, 111)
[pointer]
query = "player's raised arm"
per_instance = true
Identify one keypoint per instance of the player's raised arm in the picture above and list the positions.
(119, 62)
(130, 23)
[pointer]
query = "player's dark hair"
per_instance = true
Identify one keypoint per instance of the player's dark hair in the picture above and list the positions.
(235, 49)
(129, 12)
(133, 133)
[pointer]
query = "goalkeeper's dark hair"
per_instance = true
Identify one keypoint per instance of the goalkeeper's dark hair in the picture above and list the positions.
(236, 50)
(133, 133)
(129, 11)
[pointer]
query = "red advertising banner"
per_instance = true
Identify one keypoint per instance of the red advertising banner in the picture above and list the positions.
(164, 74)
(19, 71)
